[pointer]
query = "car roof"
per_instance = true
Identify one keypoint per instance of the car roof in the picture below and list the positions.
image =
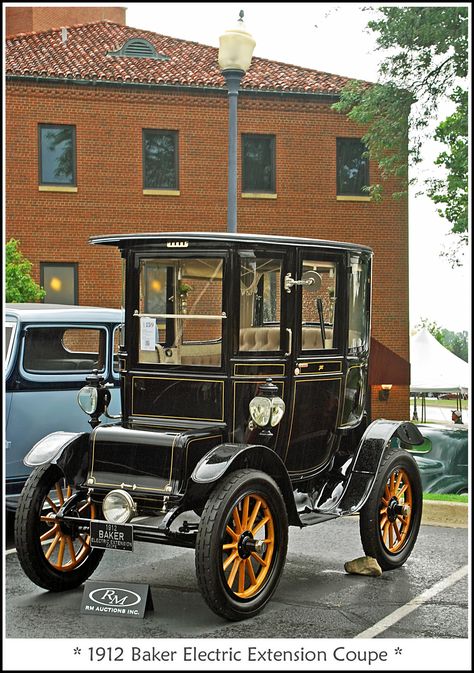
(62, 313)
(123, 240)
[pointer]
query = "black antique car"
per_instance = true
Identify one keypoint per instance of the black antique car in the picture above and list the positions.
(243, 369)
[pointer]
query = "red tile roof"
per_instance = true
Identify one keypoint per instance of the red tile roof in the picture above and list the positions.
(84, 56)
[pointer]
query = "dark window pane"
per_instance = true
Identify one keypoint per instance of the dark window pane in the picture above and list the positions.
(352, 167)
(57, 152)
(64, 349)
(160, 160)
(60, 283)
(258, 163)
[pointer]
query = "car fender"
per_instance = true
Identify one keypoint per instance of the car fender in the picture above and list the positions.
(228, 457)
(68, 450)
(362, 469)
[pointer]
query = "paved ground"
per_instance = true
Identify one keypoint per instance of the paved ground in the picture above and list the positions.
(315, 598)
(439, 414)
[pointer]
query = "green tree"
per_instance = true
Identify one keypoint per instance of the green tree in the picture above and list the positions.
(427, 62)
(19, 285)
(456, 342)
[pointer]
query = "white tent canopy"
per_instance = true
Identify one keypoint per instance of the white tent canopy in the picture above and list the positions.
(434, 369)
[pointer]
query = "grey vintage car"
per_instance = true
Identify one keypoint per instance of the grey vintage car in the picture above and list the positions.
(49, 350)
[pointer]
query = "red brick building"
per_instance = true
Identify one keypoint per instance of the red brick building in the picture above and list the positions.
(113, 129)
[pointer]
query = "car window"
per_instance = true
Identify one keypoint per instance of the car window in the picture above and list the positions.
(319, 307)
(64, 349)
(10, 329)
(116, 347)
(260, 303)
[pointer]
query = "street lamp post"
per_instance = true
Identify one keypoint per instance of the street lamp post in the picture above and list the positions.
(235, 53)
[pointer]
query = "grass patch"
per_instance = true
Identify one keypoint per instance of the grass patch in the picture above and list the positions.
(449, 497)
(443, 404)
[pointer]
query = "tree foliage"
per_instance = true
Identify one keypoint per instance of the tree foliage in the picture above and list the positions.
(456, 342)
(427, 63)
(19, 285)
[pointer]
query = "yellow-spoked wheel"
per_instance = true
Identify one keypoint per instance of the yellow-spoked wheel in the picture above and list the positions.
(248, 546)
(395, 510)
(390, 519)
(241, 544)
(63, 548)
(55, 556)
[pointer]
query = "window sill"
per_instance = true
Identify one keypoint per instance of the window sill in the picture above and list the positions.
(258, 195)
(161, 192)
(56, 188)
(354, 198)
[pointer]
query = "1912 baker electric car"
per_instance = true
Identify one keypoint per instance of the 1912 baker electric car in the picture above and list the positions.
(243, 381)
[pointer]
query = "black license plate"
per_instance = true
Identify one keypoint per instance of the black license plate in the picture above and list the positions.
(105, 535)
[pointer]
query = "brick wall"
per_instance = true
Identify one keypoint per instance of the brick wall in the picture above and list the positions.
(109, 122)
(29, 19)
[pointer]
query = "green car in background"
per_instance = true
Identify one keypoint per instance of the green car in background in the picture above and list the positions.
(442, 458)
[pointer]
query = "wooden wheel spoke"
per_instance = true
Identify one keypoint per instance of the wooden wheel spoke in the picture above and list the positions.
(397, 531)
(231, 545)
(59, 491)
(387, 493)
(47, 519)
(259, 559)
(383, 510)
(399, 478)
(49, 534)
(233, 572)
(390, 536)
(230, 559)
(245, 512)
(51, 503)
(253, 579)
(402, 490)
(62, 547)
(72, 552)
(255, 511)
(385, 530)
(85, 543)
(232, 533)
(383, 522)
(242, 567)
(235, 516)
(260, 524)
(52, 545)
(392, 483)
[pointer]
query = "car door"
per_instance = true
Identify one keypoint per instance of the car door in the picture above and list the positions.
(317, 293)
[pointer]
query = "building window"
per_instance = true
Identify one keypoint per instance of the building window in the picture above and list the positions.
(352, 167)
(160, 159)
(59, 280)
(258, 164)
(57, 155)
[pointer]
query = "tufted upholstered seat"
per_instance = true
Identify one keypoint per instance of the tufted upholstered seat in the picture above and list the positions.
(268, 338)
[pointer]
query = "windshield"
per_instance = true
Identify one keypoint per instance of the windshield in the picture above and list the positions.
(180, 317)
(10, 329)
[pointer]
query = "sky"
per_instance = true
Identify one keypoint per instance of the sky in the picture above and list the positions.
(331, 37)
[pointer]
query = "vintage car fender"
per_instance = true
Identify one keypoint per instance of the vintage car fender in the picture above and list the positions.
(68, 450)
(217, 462)
(361, 470)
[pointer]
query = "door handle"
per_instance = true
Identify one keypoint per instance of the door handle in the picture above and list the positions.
(290, 341)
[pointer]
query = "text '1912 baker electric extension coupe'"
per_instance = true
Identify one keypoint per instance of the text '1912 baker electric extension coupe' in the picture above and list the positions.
(243, 368)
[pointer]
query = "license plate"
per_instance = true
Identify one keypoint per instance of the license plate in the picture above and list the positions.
(105, 535)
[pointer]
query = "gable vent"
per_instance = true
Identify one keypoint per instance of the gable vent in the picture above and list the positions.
(138, 48)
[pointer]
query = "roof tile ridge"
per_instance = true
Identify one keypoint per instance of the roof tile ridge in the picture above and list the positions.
(72, 26)
(312, 70)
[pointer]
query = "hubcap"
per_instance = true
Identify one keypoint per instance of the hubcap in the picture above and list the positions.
(395, 512)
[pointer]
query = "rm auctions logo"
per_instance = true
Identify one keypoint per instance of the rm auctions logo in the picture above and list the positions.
(114, 597)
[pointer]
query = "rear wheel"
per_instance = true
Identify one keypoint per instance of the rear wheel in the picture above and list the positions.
(53, 555)
(390, 519)
(241, 544)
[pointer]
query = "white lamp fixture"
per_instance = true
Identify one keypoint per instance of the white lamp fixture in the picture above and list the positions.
(236, 48)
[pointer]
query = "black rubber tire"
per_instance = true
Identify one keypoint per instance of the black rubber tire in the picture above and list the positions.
(28, 531)
(369, 520)
(211, 533)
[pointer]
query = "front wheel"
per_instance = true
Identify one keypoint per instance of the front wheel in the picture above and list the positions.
(52, 555)
(241, 544)
(391, 517)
